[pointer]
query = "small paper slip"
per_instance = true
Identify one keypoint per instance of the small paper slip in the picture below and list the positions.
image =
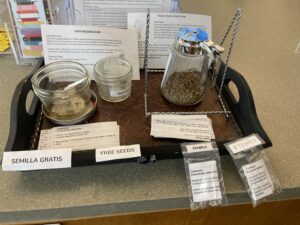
(190, 127)
(245, 143)
(80, 137)
(204, 181)
(36, 160)
(118, 152)
(259, 180)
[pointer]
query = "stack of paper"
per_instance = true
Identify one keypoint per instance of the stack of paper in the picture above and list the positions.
(79, 137)
(190, 127)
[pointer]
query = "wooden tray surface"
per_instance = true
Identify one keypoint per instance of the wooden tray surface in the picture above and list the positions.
(135, 128)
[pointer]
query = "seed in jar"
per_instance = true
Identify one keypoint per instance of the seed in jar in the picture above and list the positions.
(183, 88)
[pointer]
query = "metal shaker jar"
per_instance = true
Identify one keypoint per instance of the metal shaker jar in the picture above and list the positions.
(186, 71)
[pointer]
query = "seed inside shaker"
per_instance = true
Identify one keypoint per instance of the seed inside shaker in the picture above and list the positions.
(183, 88)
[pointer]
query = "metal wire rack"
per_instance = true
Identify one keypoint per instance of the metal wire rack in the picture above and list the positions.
(236, 22)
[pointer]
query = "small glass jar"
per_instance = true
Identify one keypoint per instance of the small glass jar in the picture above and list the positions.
(113, 76)
(64, 89)
(186, 71)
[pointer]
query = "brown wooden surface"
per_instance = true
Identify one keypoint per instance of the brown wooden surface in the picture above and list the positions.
(130, 115)
(272, 213)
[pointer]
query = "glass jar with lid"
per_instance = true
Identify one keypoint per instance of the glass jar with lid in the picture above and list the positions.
(186, 71)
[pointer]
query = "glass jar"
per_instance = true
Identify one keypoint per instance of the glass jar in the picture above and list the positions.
(64, 89)
(186, 71)
(114, 77)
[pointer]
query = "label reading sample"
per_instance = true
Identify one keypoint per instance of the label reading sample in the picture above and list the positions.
(245, 143)
(204, 181)
(118, 152)
(201, 147)
(36, 159)
(259, 180)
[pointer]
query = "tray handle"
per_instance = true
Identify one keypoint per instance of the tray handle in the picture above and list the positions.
(244, 109)
(22, 121)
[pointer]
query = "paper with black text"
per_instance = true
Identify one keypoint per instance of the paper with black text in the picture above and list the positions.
(163, 30)
(36, 159)
(89, 44)
(205, 182)
(117, 152)
(259, 180)
(189, 127)
(81, 137)
(113, 13)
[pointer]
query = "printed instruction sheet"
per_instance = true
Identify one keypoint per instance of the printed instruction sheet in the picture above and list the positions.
(89, 44)
(163, 30)
(113, 13)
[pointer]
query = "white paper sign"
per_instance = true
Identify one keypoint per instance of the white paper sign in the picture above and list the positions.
(118, 152)
(245, 144)
(88, 44)
(258, 179)
(36, 160)
(189, 127)
(163, 30)
(80, 137)
(113, 13)
(204, 181)
(201, 147)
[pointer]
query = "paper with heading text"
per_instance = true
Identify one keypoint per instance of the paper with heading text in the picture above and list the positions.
(163, 29)
(88, 44)
(113, 13)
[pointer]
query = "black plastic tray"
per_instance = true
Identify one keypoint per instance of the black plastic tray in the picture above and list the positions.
(24, 124)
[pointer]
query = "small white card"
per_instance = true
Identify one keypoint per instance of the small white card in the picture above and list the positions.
(200, 147)
(205, 181)
(117, 152)
(189, 127)
(259, 180)
(89, 44)
(80, 137)
(246, 143)
(36, 160)
(163, 30)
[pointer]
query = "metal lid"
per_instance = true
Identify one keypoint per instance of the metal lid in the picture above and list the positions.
(188, 40)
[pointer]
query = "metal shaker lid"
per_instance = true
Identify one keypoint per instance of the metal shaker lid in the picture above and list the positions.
(188, 40)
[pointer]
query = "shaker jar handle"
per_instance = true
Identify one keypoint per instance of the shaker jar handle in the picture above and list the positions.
(212, 51)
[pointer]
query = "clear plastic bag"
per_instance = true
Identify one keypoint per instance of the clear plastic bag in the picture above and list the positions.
(204, 174)
(254, 168)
